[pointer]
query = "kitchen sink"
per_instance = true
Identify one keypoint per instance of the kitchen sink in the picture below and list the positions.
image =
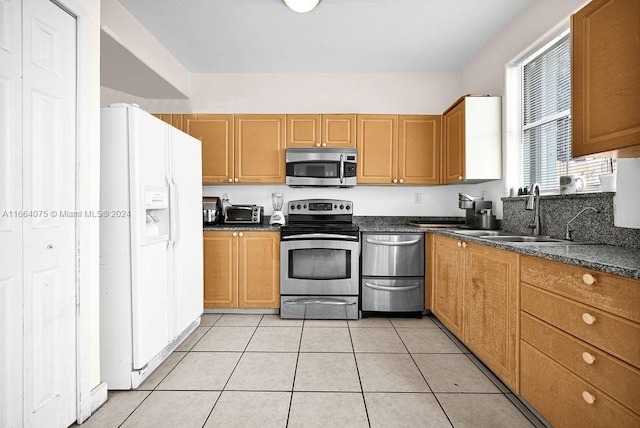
(481, 233)
(512, 238)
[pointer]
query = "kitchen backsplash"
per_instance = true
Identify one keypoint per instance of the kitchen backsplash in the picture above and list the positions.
(557, 210)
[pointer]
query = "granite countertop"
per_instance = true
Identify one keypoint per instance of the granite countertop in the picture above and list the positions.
(263, 227)
(621, 261)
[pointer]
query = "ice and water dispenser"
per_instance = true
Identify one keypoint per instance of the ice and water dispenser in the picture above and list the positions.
(156, 219)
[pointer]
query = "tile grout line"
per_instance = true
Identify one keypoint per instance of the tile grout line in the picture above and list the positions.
(364, 401)
(295, 372)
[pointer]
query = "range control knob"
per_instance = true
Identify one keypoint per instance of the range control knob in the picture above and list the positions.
(298, 206)
(335, 206)
(341, 207)
(348, 207)
(304, 206)
(293, 207)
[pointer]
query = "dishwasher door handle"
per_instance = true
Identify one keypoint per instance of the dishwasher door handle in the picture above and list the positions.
(394, 289)
(317, 301)
(391, 243)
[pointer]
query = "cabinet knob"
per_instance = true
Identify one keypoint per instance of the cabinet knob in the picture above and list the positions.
(395, 180)
(460, 178)
(230, 180)
(588, 358)
(588, 318)
(324, 144)
(317, 144)
(234, 234)
(589, 398)
(235, 180)
(401, 180)
(459, 244)
(241, 234)
(464, 245)
(588, 279)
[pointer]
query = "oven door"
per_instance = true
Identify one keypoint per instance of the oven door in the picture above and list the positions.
(319, 265)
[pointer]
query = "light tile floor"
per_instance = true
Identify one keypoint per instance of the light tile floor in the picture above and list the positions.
(260, 371)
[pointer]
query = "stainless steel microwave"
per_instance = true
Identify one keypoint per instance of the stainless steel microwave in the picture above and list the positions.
(324, 167)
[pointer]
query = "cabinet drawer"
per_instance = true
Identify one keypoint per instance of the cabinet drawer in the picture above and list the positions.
(611, 293)
(612, 334)
(619, 380)
(560, 396)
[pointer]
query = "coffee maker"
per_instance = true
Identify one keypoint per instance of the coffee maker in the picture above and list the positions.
(478, 212)
(211, 210)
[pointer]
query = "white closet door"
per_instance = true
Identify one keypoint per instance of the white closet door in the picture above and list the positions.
(10, 207)
(49, 175)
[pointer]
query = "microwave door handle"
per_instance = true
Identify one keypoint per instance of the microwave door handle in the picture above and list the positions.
(341, 169)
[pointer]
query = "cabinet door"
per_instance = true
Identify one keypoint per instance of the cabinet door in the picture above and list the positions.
(259, 148)
(220, 270)
(338, 130)
(491, 311)
(216, 133)
(377, 144)
(605, 78)
(419, 149)
(303, 130)
(448, 281)
(259, 270)
(453, 145)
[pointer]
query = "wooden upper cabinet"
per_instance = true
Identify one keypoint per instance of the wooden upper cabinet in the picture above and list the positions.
(453, 145)
(419, 149)
(174, 120)
(259, 148)
(215, 131)
(401, 149)
(472, 140)
(605, 79)
(326, 130)
(339, 130)
(377, 142)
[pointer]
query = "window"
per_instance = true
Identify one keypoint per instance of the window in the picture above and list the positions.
(546, 120)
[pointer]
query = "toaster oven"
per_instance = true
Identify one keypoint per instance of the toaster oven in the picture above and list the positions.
(243, 214)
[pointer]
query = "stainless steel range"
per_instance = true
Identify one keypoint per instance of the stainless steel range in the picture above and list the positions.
(319, 253)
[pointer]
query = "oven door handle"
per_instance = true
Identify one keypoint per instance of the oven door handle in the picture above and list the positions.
(341, 169)
(391, 243)
(384, 288)
(316, 301)
(320, 236)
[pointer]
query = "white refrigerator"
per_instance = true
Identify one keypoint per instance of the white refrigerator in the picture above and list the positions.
(151, 272)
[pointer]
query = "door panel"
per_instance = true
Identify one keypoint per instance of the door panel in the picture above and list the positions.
(49, 191)
(10, 226)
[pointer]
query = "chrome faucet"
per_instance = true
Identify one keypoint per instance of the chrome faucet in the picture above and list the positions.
(567, 235)
(533, 202)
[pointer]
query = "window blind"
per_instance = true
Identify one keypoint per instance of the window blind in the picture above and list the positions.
(546, 120)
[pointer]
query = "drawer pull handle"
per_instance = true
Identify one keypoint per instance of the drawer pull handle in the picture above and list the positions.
(589, 398)
(588, 358)
(588, 318)
(588, 279)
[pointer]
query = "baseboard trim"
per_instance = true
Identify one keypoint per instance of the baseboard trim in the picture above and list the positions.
(98, 396)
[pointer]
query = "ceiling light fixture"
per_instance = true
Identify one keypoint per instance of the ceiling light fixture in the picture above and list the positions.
(301, 6)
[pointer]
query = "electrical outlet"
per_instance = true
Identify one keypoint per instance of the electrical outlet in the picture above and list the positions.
(417, 198)
(483, 194)
(225, 196)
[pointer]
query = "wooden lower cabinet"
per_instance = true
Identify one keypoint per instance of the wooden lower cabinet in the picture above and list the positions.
(241, 269)
(579, 341)
(491, 309)
(475, 295)
(564, 398)
(447, 273)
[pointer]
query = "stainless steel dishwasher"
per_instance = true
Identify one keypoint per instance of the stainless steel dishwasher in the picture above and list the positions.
(392, 272)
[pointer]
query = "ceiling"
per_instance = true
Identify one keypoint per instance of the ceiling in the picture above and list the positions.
(339, 36)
